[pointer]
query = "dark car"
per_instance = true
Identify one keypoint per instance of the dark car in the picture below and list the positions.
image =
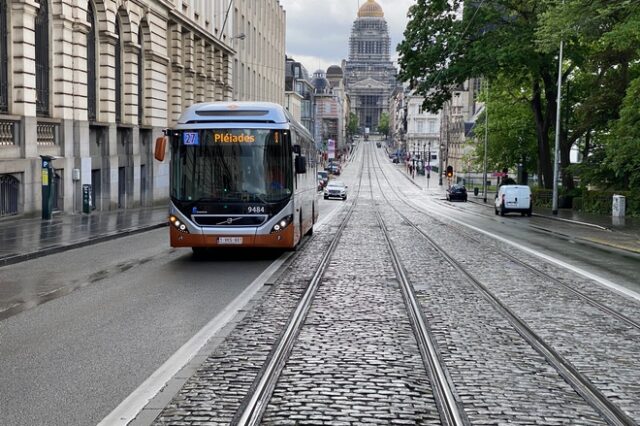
(457, 192)
(333, 168)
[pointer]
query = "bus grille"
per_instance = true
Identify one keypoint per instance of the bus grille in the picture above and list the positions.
(229, 220)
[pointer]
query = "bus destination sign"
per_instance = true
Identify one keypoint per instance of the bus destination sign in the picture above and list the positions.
(231, 138)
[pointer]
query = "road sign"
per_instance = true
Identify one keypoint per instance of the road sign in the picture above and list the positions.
(498, 174)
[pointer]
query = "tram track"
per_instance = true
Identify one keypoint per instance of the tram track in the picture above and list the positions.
(537, 271)
(611, 412)
(255, 403)
(449, 403)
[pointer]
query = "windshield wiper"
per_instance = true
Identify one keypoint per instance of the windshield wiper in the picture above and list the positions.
(245, 195)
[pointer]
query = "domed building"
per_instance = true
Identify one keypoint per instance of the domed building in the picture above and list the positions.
(320, 83)
(334, 75)
(370, 77)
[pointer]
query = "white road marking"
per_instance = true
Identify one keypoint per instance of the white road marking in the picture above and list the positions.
(129, 409)
(603, 281)
(139, 398)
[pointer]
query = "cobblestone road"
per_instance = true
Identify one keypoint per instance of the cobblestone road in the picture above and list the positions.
(356, 360)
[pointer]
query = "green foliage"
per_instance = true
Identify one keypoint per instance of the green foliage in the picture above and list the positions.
(383, 124)
(514, 45)
(352, 126)
(511, 138)
(600, 202)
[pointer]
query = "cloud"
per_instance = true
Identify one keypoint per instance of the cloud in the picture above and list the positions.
(318, 30)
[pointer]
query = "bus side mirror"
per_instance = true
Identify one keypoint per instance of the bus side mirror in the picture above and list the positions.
(301, 164)
(296, 149)
(161, 148)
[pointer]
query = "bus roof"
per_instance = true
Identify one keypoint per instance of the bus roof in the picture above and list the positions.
(254, 112)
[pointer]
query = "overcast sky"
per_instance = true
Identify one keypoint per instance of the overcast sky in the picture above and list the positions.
(318, 30)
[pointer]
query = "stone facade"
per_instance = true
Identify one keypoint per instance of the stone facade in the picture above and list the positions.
(423, 131)
(93, 83)
(259, 39)
(370, 77)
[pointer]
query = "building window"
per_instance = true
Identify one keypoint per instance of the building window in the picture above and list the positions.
(118, 71)
(4, 59)
(140, 76)
(91, 65)
(42, 59)
(9, 191)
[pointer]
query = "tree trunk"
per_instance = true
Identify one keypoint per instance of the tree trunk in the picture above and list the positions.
(542, 132)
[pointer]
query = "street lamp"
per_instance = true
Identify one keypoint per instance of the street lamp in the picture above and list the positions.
(486, 134)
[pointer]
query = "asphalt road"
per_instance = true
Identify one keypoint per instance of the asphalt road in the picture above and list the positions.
(71, 360)
(93, 323)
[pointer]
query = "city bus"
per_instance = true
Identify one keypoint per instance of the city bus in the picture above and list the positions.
(242, 174)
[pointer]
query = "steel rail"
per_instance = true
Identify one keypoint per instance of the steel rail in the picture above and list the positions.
(613, 414)
(598, 305)
(254, 405)
(450, 407)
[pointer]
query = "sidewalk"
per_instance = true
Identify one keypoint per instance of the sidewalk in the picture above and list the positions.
(28, 238)
(622, 234)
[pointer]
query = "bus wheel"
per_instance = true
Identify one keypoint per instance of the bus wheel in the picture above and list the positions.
(310, 231)
(199, 252)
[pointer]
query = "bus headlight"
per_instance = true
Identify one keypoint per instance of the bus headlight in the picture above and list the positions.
(282, 223)
(181, 227)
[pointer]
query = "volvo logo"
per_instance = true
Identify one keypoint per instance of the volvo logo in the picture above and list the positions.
(229, 220)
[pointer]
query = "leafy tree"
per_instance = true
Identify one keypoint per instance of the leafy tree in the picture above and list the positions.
(441, 52)
(383, 124)
(604, 87)
(352, 125)
(511, 138)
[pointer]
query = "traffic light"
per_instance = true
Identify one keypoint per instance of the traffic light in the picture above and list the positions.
(449, 171)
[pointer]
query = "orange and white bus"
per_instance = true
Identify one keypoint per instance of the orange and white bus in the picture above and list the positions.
(242, 174)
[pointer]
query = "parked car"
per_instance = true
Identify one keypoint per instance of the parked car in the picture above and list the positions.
(513, 198)
(333, 168)
(323, 179)
(378, 144)
(335, 189)
(457, 192)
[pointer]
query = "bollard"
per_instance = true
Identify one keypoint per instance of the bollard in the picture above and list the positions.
(619, 205)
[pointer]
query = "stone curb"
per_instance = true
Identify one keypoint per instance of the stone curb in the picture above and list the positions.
(17, 258)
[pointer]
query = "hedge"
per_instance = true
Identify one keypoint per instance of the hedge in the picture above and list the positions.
(597, 202)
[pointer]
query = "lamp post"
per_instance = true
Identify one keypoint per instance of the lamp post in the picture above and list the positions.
(429, 164)
(486, 134)
(554, 204)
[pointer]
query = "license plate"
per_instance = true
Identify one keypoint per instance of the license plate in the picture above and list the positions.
(229, 240)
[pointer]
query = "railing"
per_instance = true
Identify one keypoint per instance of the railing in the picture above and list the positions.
(47, 134)
(7, 133)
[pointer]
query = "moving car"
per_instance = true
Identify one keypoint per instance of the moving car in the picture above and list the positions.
(335, 189)
(513, 198)
(323, 179)
(457, 192)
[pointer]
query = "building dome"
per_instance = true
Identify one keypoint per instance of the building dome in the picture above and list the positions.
(370, 9)
(334, 71)
(320, 82)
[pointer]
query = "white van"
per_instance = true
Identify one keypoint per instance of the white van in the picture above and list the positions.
(513, 198)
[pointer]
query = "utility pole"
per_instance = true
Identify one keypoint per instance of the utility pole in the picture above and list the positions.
(486, 137)
(556, 166)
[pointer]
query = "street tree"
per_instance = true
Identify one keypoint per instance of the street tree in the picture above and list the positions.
(440, 52)
(352, 125)
(383, 124)
(511, 137)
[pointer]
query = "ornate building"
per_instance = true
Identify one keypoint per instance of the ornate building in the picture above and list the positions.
(92, 83)
(369, 74)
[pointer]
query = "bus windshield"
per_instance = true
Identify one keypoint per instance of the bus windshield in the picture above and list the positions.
(231, 165)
